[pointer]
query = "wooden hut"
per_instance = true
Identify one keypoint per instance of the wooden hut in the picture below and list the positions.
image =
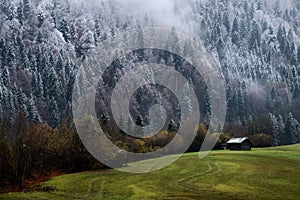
(240, 144)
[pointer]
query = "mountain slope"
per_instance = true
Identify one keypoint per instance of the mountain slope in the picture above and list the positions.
(42, 43)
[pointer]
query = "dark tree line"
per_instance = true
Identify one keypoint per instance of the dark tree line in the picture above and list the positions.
(32, 151)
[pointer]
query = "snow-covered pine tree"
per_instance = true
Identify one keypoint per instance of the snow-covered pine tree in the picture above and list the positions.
(291, 129)
(275, 129)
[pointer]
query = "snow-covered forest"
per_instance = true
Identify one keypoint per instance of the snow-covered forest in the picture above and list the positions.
(257, 43)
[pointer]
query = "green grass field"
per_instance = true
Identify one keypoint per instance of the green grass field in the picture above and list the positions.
(271, 173)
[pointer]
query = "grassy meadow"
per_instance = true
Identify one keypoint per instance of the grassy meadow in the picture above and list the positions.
(269, 173)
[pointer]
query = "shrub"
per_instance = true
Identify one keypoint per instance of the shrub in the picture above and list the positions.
(262, 140)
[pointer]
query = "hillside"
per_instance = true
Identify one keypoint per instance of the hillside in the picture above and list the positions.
(221, 175)
(65, 106)
(42, 44)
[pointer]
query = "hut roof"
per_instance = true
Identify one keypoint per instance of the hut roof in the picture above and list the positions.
(239, 140)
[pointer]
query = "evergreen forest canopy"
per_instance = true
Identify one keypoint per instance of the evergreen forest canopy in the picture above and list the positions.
(256, 42)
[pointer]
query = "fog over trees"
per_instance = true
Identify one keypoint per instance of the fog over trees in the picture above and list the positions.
(256, 42)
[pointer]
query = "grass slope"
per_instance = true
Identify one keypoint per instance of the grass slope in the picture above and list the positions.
(271, 173)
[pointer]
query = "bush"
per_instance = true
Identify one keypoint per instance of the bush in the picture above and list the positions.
(6, 163)
(262, 140)
(40, 150)
(198, 140)
(222, 140)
